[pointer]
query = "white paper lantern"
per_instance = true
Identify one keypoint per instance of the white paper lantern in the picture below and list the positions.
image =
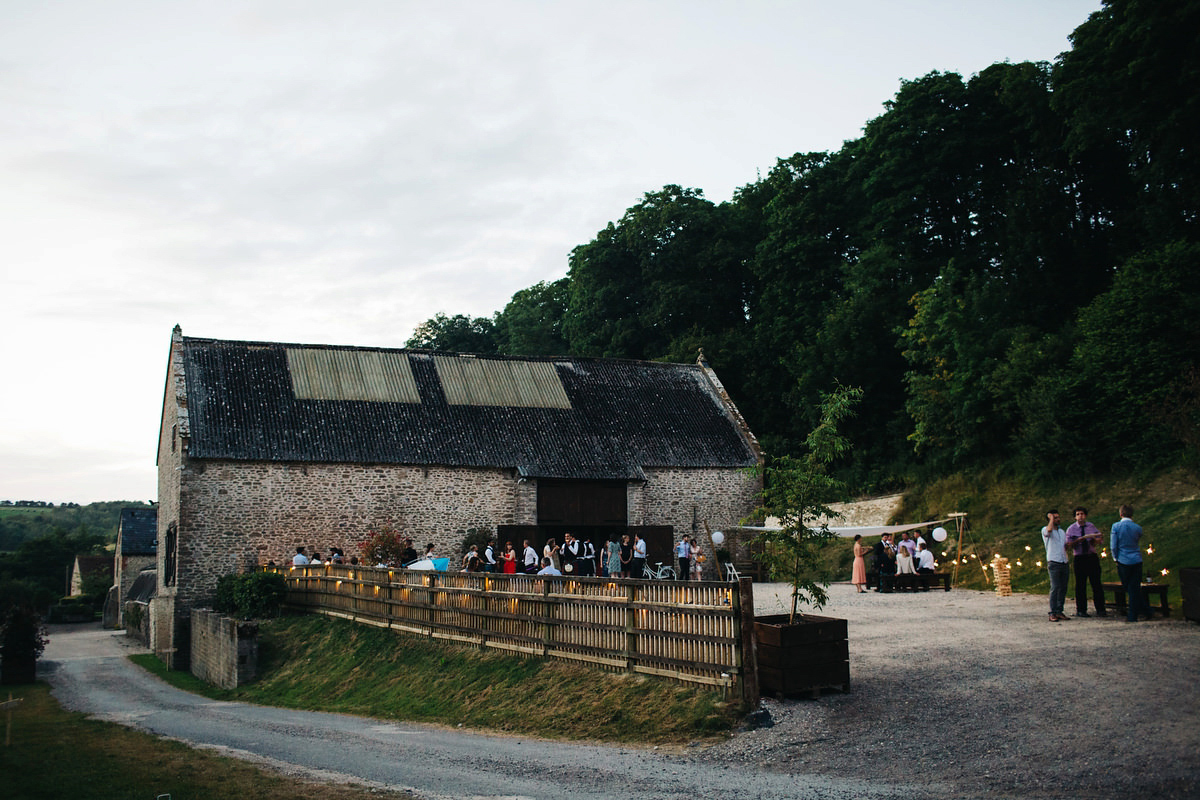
(939, 534)
(718, 537)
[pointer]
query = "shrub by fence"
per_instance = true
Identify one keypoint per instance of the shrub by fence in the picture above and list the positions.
(692, 632)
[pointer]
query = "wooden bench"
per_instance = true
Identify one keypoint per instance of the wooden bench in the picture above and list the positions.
(914, 583)
(1159, 589)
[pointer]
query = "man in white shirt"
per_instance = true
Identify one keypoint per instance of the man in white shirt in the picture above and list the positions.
(683, 555)
(299, 560)
(637, 564)
(531, 559)
(1055, 539)
(489, 556)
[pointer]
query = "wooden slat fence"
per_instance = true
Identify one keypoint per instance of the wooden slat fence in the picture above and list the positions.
(692, 632)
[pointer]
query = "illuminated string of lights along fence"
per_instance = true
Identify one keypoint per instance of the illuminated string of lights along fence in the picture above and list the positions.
(688, 631)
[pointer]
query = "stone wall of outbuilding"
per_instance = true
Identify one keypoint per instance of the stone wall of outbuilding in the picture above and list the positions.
(224, 651)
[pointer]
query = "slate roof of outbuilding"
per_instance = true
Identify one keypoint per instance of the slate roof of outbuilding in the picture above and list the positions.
(138, 531)
(622, 415)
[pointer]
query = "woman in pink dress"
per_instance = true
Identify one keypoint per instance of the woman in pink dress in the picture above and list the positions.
(859, 575)
(509, 557)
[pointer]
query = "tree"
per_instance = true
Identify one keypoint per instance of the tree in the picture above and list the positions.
(672, 264)
(798, 490)
(457, 334)
(1127, 89)
(531, 323)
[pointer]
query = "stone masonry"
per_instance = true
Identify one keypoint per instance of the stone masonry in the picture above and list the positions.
(224, 651)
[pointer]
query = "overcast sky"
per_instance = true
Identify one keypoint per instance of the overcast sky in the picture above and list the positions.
(338, 172)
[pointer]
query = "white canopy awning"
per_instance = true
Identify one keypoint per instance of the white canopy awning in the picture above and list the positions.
(871, 530)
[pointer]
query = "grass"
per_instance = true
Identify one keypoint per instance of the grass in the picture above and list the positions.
(319, 663)
(56, 754)
(1005, 516)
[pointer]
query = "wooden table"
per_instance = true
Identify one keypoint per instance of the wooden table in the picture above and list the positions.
(913, 583)
(1148, 589)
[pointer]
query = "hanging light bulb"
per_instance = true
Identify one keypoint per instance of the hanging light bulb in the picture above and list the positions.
(1166, 572)
(1039, 563)
(1150, 549)
(1027, 547)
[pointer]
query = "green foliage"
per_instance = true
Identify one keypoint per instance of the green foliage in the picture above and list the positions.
(43, 565)
(1003, 264)
(798, 491)
(457, 334)
(531, 323)
(22, 640)
(26, 523)
(253, 595)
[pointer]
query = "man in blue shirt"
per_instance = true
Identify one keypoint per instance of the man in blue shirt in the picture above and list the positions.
(1056, 564)
(1124, 542)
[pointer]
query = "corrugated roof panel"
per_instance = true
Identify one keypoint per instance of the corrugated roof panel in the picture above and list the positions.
(489, 382)
(370, 375)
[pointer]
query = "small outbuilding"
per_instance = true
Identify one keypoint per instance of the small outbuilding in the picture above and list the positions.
(137, 549)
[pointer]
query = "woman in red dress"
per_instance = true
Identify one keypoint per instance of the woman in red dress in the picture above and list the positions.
(509, 557)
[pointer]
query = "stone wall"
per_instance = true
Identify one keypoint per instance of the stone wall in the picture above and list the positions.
(696, 501)
(136, 616)
(224, 651)
(128, 568)
(172, 445)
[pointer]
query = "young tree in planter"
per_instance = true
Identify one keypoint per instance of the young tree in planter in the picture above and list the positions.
(797, 491)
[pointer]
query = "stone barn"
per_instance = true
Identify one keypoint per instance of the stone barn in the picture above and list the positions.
(137, 548)
(264, 447)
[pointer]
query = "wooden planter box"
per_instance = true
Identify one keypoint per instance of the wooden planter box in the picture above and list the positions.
(803, 658)
(1189, 588)
(14, 671)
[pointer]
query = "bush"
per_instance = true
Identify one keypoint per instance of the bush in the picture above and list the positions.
(22, 640)
(384, 545)
(255, 595)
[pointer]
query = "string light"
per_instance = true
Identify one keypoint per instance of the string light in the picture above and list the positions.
(1150, 550)
(1039, 563)
(1166, 572)
(1027, 547)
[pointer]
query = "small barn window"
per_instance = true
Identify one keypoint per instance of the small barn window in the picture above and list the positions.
(171, 557)
(174, 436)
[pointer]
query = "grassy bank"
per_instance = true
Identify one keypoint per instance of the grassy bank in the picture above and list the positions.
(319, 663)
(56, 754)
(1005, 516)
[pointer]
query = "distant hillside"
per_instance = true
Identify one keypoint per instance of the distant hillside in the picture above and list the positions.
(21, 521)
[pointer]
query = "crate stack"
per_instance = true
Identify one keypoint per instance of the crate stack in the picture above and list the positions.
(1003, 576)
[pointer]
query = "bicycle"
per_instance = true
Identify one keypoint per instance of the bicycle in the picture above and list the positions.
(659, 572)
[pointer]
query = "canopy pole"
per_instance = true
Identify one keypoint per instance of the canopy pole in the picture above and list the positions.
(960, 521)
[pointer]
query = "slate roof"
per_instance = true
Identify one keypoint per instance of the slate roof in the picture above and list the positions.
(138, 531)
(144, 586)
(546, 417)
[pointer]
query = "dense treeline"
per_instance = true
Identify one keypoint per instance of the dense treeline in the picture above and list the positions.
(1007, 265)
(44, 542)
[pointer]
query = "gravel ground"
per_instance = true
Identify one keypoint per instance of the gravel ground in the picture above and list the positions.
(974, 695)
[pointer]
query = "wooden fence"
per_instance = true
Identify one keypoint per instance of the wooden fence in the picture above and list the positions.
(693, 632)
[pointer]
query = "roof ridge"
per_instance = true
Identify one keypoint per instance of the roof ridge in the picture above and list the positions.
(201, 340)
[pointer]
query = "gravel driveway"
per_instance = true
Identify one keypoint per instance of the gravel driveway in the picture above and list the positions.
(981, 696)
(954, 695)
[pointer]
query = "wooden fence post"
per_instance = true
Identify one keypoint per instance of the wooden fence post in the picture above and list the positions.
(630, 627)
(744, 618)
